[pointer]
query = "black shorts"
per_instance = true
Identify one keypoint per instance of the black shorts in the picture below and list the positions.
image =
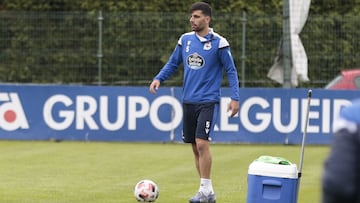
(198, 121)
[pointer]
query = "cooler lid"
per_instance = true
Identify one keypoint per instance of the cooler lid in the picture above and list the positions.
(273, 170)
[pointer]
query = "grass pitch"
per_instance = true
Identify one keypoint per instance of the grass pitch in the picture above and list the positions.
(94, 172)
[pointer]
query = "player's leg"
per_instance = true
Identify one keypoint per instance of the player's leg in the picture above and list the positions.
(207, 115)
(190, 115)
(196, 157)
(201, 149)
(204, 157)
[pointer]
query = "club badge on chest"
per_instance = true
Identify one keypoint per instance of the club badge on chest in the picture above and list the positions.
(207, 46)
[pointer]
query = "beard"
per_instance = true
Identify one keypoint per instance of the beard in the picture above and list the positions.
(197, 28)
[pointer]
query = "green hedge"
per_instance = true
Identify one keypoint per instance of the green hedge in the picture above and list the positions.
(57, 41)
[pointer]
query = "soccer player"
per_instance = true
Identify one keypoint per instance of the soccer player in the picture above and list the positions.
(205, 55)
(341, 179)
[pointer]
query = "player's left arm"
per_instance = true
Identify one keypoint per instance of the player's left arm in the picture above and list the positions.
(230, 69)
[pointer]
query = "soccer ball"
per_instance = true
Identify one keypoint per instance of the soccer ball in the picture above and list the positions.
(146, 191)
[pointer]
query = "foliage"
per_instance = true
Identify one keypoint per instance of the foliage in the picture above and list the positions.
(57, 41)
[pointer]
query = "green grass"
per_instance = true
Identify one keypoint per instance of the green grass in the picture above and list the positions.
(82, 172)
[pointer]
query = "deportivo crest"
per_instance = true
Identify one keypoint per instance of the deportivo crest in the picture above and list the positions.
(195, 61)
(207, 46)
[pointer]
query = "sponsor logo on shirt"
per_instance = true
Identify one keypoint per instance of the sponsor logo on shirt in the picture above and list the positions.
(195, 61)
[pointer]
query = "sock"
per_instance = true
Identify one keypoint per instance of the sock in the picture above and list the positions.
(205, 186)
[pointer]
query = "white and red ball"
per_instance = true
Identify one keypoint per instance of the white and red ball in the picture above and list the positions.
(146, 191)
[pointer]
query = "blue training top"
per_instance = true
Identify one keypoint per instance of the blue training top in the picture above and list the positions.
(341, 180)
(204, 60)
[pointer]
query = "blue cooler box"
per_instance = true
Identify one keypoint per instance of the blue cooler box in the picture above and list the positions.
(272, 183)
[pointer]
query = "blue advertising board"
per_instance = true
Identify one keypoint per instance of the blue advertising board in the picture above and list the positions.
(105, 113)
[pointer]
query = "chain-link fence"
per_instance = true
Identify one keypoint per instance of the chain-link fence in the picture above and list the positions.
(130, 48)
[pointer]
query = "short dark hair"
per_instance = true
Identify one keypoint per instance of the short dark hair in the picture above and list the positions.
(202, 6)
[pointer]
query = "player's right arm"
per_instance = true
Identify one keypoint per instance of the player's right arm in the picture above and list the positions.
(155, 84)
(169, 68)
